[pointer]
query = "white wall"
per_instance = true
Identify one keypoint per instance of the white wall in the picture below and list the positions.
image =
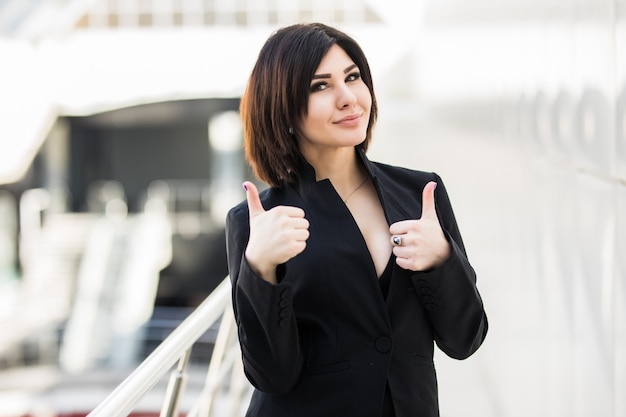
(521, 108)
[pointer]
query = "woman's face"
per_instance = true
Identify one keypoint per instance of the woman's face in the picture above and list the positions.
(339, 104)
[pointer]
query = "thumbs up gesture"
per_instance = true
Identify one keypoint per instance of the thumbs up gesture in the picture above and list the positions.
(276, 235)
(420, 244)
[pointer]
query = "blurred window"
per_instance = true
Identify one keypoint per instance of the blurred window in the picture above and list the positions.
(196, 13)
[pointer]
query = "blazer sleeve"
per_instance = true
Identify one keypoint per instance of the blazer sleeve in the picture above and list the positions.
(449, 293)
(266, 322)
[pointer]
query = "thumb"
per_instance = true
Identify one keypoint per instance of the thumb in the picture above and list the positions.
(254, 202)
(428, 201)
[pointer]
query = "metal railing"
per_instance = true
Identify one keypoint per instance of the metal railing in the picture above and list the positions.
(225, 361)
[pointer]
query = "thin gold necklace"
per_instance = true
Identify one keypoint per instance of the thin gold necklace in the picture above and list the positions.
(345, 200)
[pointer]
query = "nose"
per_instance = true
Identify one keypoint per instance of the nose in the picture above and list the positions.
(345, 96)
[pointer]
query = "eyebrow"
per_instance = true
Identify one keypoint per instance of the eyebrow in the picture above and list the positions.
(345, 71)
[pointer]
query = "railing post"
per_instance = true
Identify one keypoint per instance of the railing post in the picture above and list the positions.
(122, 400)
(175, 387)
(177, 347)
(216, 365)
(238, 385)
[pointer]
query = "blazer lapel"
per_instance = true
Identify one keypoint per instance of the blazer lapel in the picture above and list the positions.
(394, 211)
(331, 217)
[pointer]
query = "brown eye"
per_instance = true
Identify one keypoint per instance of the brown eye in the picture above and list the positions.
(319, 87)
(353, 76)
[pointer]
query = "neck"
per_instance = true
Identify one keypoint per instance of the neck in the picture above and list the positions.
(341, 166)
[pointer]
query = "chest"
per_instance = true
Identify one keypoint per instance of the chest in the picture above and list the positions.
(369, 217)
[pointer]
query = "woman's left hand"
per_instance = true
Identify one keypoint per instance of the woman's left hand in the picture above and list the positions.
(420, 244)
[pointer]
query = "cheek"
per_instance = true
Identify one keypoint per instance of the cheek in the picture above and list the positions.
(365, 98)
(317, 112)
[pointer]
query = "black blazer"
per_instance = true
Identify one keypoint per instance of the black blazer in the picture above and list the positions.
(324, 341)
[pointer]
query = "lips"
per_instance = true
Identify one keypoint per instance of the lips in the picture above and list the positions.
(349, 120)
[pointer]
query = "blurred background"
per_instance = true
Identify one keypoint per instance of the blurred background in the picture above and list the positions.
(120, 152)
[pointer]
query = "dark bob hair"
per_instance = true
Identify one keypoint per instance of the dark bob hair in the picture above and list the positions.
(277, 94)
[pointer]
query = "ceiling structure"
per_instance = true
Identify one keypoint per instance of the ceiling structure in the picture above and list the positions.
(82, 57)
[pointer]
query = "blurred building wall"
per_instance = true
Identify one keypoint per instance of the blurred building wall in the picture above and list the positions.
(539, 89)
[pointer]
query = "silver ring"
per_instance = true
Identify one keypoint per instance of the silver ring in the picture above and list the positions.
(397, 240)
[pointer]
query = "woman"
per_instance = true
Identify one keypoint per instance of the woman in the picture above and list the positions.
(344, 271)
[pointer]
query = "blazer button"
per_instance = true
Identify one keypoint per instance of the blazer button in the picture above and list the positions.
(383, 344)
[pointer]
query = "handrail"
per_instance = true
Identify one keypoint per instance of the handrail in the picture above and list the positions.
(124, 398)
(79, 344)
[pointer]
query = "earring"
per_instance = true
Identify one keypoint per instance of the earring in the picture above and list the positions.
(291, 130)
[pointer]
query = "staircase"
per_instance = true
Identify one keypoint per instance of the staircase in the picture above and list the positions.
(50, 258)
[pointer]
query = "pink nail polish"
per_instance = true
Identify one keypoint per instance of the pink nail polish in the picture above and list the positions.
(245, 187)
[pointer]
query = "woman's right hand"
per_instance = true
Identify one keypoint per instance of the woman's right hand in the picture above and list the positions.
(276, 235)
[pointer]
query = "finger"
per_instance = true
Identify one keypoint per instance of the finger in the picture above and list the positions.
(299, 223)
(400, 228)
(290, 211)
(298, 248)
(254, 202)
(402, 254)
(293, 223)
(428, 201)
(300, 235)
(405, 263)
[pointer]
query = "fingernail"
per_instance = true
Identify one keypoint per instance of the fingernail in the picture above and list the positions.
(435, 187)
(245, 187)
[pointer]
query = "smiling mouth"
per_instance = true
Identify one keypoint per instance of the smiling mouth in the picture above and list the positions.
(349, 120)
